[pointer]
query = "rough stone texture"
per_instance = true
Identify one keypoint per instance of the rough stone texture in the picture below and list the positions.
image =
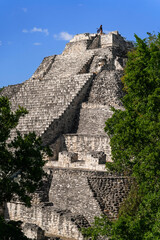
(33, 231)
(69, 99)
(108, 89)
(78, 191)
(74, 198)
(55, 222)
(11, 90)
(92, 118)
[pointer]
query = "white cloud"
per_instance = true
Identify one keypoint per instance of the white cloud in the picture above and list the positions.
(24, 10)
(45, 31)
(35, 29)
(63, 36)
(66, 36)
(37, 43)
(25, 31)
(0, 43)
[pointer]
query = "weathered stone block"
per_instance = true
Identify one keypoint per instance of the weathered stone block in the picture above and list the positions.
(68, 157)
(33, 231)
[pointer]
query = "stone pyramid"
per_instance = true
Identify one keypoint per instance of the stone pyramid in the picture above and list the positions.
(69, 99)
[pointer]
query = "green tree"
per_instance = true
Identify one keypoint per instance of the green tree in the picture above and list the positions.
(135, 143)
(21, 165)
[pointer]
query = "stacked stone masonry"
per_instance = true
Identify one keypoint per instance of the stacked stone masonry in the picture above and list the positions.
(74, 198)
(69, 98)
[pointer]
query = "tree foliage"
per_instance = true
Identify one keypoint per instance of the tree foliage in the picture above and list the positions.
(21, 163)
(11, 230)
(135, 143)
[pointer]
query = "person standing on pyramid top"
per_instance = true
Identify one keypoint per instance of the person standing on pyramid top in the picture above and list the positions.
(100, 30)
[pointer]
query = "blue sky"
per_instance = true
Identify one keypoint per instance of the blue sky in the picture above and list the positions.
(33, 29)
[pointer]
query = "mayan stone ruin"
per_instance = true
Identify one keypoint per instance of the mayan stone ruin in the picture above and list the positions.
(69, 98)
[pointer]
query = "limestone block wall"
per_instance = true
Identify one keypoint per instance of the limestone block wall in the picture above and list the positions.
(81, 42)
(43, 114)
(90, 161)
(44, 67)
(88, 193)
(82, 37)
(65, 122)
(114, 39)
(53, 221)
(33, 231)
(70, 191)
(92, 118)
(106, 40)
(107, 89)
(80, 143)
(110, 59)
(77, 47)
(10, 90)
(74, 198)
(110, 192)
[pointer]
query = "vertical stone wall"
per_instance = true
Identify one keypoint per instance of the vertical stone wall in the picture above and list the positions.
(53, 221)
(88, 193)
(70, 191)
(75, 197)
(86, 143)
(93, 117)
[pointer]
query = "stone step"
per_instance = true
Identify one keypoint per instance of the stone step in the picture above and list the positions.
(69, 64)
(82, 144)
(46, 108)
(51, 93)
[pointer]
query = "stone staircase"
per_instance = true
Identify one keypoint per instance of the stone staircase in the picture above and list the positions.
(61, 87)
(67, 65)
(44, 67)
(89, 145)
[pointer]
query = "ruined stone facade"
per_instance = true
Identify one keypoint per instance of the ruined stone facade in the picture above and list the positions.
(69, 99)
